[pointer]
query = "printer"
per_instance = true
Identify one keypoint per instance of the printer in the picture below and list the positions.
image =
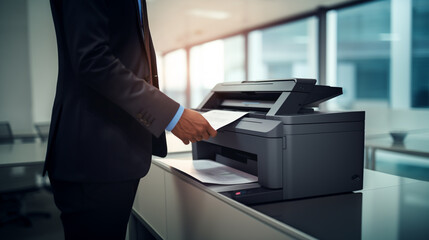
(293, 149)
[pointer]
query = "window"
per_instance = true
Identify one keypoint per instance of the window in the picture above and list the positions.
(174, 78)
(379, 52)
(215, 62)
(420, 53)
(361, 38)
(285, 51)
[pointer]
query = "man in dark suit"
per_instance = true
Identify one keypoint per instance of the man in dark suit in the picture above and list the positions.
(109, 116)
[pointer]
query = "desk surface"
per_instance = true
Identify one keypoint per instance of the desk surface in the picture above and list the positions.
(20, 154)
(389, 207)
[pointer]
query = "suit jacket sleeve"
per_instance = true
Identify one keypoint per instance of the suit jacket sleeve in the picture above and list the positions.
(86, 29)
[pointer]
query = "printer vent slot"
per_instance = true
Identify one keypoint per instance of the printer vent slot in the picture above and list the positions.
(237, 155)
(244, 161)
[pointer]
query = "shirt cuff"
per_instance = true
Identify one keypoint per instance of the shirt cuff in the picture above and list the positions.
(175, 119)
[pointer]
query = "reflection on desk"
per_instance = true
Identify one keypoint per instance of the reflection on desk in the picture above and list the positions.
(20, 154)
(331, 217)
(389, 207)
(21, 165)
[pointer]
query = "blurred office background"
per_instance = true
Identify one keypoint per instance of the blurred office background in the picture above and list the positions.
(377, 51)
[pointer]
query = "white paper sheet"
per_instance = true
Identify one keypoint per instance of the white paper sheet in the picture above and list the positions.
(220, 118)
(209, 171)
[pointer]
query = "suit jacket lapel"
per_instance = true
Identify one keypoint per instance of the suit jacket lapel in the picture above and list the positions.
(147, 39)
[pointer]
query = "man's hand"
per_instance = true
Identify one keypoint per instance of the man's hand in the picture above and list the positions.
(193, 127)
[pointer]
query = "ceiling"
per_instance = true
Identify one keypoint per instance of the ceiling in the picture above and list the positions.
(180, 23)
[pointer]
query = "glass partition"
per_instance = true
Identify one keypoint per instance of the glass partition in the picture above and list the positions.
(284, 51)
(379, 52)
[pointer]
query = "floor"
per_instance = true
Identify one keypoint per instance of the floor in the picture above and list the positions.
(43, 228)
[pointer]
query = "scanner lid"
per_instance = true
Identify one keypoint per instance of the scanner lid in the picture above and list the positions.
(269, 97)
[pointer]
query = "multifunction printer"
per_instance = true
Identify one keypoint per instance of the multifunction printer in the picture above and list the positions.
(295, 150)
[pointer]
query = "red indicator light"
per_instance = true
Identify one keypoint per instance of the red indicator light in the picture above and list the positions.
(237, 193)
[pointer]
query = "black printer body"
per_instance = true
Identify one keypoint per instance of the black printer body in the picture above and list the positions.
(295, 151)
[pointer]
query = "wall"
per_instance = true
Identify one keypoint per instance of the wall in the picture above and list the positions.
(28, 63)
(43, 59)
(15, 87)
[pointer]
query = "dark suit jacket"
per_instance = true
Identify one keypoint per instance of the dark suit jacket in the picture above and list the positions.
(107, 118)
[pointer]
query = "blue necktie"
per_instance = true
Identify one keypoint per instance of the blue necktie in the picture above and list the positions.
(141, 17)
(146, 39)
(140, 10)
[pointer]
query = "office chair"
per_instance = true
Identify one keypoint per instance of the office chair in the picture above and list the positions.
(42, 130)
(15, 186)
(6, 136)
